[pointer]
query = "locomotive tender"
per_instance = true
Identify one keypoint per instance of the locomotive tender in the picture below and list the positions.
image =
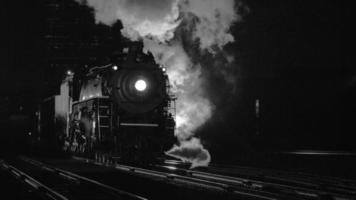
(121, 110)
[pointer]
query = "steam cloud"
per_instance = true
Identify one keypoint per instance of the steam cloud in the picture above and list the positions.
(191, 151)
(163, 25)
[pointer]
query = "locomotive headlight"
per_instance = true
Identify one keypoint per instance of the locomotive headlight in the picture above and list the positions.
(140, 85)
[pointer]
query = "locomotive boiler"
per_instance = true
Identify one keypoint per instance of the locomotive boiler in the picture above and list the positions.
(121, 110)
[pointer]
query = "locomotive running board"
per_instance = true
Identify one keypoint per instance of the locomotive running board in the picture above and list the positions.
(139, 124)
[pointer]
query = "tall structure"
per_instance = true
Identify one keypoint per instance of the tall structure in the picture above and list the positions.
(73, 40)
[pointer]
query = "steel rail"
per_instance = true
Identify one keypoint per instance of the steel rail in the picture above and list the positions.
(222, 183)
(296, 190)
(314, 183)
(334, 186)
(300, 175)
(79, 178)
(232, 183)
(33, 183)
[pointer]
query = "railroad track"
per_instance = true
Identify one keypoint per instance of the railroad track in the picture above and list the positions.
(314, 184)
(239, 192)
(282, 185)
(258, 186)
(329, 184)
(243, 187)
(297, 176)
(33, 184)
(53, 183)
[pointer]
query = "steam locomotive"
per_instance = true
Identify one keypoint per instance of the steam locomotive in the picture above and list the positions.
(122, 110)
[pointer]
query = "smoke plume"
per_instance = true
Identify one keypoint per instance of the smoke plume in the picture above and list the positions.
(213, 21)
(163, 26)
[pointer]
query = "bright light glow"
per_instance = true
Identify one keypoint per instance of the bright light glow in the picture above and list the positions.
(114, 67)
(163, 69)
(140, 85)
(69, 73)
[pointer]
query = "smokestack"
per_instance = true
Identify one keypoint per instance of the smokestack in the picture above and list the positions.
(162, 25)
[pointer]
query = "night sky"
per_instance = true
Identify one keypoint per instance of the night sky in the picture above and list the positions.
(291, 55)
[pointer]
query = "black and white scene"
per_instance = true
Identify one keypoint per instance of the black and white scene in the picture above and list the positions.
(177, 99)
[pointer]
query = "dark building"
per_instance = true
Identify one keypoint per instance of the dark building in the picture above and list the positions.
(72, 40)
